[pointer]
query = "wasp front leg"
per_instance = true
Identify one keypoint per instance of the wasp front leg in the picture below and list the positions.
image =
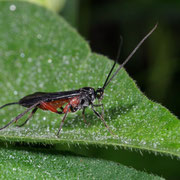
(102, 106)
(102, 119)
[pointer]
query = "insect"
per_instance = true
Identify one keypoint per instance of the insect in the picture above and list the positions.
(70, 101)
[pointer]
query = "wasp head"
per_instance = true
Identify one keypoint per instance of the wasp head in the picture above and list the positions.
(99, 93)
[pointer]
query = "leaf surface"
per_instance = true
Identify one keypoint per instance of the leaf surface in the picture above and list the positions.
(22, 164)
(40, 52)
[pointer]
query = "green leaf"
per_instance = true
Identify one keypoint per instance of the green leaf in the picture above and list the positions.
(23, 164)
(40, 52)
(53, 5)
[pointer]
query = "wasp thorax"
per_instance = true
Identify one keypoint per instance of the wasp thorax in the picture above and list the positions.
(88, 93)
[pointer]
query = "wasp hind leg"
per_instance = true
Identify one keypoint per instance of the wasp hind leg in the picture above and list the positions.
(20, 115)
(29, 117)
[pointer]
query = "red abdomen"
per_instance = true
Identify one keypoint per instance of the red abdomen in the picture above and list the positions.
(55, 104)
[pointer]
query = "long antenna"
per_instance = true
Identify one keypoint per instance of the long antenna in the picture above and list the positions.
(131, 54)
(118, 55)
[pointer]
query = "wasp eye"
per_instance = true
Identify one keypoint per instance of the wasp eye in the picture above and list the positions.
(99, 95)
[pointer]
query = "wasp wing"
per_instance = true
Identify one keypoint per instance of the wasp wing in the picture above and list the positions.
(31, 99)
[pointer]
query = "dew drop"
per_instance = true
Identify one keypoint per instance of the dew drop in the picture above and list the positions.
(29, 59)
(12, 7)
(49, 60)
(15, 92)
(14, 169)
(22, 55)
(41, 85)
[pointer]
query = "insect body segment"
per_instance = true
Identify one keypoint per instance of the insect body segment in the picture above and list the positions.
(53, 105)
(70, 101)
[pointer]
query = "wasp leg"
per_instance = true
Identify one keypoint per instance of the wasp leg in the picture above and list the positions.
(97, 105)
(62, 122)
(97, 114)
(20, 115)
(32, 113)
(83, 114)
(84, 118)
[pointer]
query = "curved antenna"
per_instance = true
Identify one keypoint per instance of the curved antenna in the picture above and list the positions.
(118, 55)
(130, 55)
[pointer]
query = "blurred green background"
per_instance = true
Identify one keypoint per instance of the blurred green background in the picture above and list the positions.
(156, 65)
